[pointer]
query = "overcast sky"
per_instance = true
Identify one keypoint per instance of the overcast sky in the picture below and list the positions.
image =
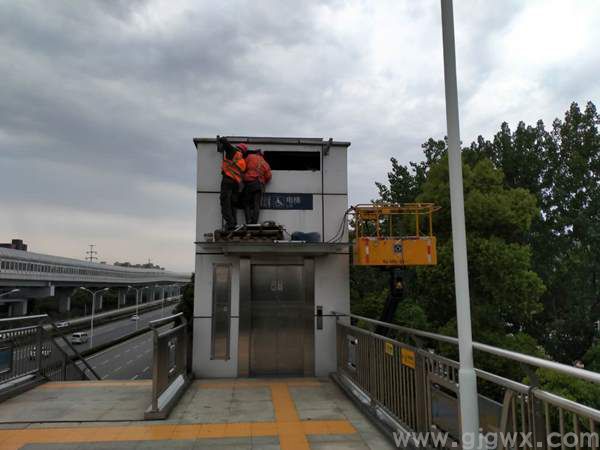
(99, 101)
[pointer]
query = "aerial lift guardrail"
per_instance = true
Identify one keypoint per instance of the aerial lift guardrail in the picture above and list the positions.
(380, 240)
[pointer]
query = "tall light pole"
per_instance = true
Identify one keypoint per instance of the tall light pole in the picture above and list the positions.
(162, 304)
(93, 309)
(469, 411)
(163, 297)
(137, 306)
(12, 291)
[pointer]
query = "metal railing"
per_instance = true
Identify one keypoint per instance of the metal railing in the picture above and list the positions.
(170, 377)
(37, 348)
(109, 316)
(409, 388)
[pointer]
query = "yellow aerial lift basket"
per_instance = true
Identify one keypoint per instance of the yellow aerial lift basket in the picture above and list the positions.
(390, 235)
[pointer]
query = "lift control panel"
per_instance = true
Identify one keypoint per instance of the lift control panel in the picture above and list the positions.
(395, 234)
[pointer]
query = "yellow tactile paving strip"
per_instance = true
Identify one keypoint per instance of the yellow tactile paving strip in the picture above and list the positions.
(292, 431)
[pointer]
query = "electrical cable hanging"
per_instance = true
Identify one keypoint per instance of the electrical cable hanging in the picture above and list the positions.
(340, 232)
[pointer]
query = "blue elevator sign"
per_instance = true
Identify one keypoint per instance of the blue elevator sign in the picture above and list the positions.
(271, 200)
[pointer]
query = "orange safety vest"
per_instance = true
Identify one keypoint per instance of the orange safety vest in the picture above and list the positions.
(233, 168)
(257, 169)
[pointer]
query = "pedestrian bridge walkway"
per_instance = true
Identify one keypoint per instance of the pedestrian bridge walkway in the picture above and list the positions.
(286, 414)
(400, 382)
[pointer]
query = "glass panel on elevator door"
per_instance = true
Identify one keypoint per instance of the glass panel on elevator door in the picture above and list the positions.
(278, 319)
(221, 312)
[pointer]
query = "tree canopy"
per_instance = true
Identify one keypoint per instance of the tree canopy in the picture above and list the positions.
(532, 210)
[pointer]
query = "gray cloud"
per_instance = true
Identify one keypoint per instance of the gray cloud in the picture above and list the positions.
(100, 100)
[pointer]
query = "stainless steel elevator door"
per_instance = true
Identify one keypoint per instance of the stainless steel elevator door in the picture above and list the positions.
(278, 320)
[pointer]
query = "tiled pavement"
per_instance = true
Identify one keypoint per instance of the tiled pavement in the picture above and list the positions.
(286, 414)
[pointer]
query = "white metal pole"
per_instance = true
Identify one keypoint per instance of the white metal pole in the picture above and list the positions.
(137, 301)
(92, 325)
(469, 411)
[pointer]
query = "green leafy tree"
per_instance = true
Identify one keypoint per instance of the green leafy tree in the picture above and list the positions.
(561, 167)
(591, 359)
(186, 305)
(532, 208)
(505, 291)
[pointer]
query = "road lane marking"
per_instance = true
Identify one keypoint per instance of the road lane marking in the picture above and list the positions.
(135, 377)
(117, 369)
(145, 369)
(114, 347)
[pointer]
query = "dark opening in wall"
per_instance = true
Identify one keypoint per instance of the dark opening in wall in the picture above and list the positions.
(293, 160)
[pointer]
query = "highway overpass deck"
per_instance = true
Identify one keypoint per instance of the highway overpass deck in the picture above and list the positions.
(23, 268)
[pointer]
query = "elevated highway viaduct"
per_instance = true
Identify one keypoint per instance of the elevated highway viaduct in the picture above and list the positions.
(26, 276)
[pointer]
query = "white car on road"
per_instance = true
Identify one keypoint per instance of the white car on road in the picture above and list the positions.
(81, 337)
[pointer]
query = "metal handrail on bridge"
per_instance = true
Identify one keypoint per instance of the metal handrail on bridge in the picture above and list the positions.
(508, 354)
(170, 377)
(410, 389)
(31, 354)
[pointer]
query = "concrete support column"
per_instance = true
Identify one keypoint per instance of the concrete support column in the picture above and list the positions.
(18, 307)
(64, 304)
(121, 297)
(63, 296)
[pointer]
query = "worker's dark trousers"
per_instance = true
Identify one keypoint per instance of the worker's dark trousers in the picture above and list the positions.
(252, 197)
(229, 198)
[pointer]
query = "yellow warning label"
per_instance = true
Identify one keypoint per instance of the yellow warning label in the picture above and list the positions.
(408, 358)
(389, 348)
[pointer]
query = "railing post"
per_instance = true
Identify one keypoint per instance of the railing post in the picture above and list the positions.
(155, 370)
(420, 385)
(170, 376)
(338, 346)
(372, 379)
(536, 407)
(64, 368)
(39, 349)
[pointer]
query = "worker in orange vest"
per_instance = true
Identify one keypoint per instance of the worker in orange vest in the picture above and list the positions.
(232, 169)
(256, 176)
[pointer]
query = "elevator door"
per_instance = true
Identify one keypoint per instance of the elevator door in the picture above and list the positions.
(278, 320)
